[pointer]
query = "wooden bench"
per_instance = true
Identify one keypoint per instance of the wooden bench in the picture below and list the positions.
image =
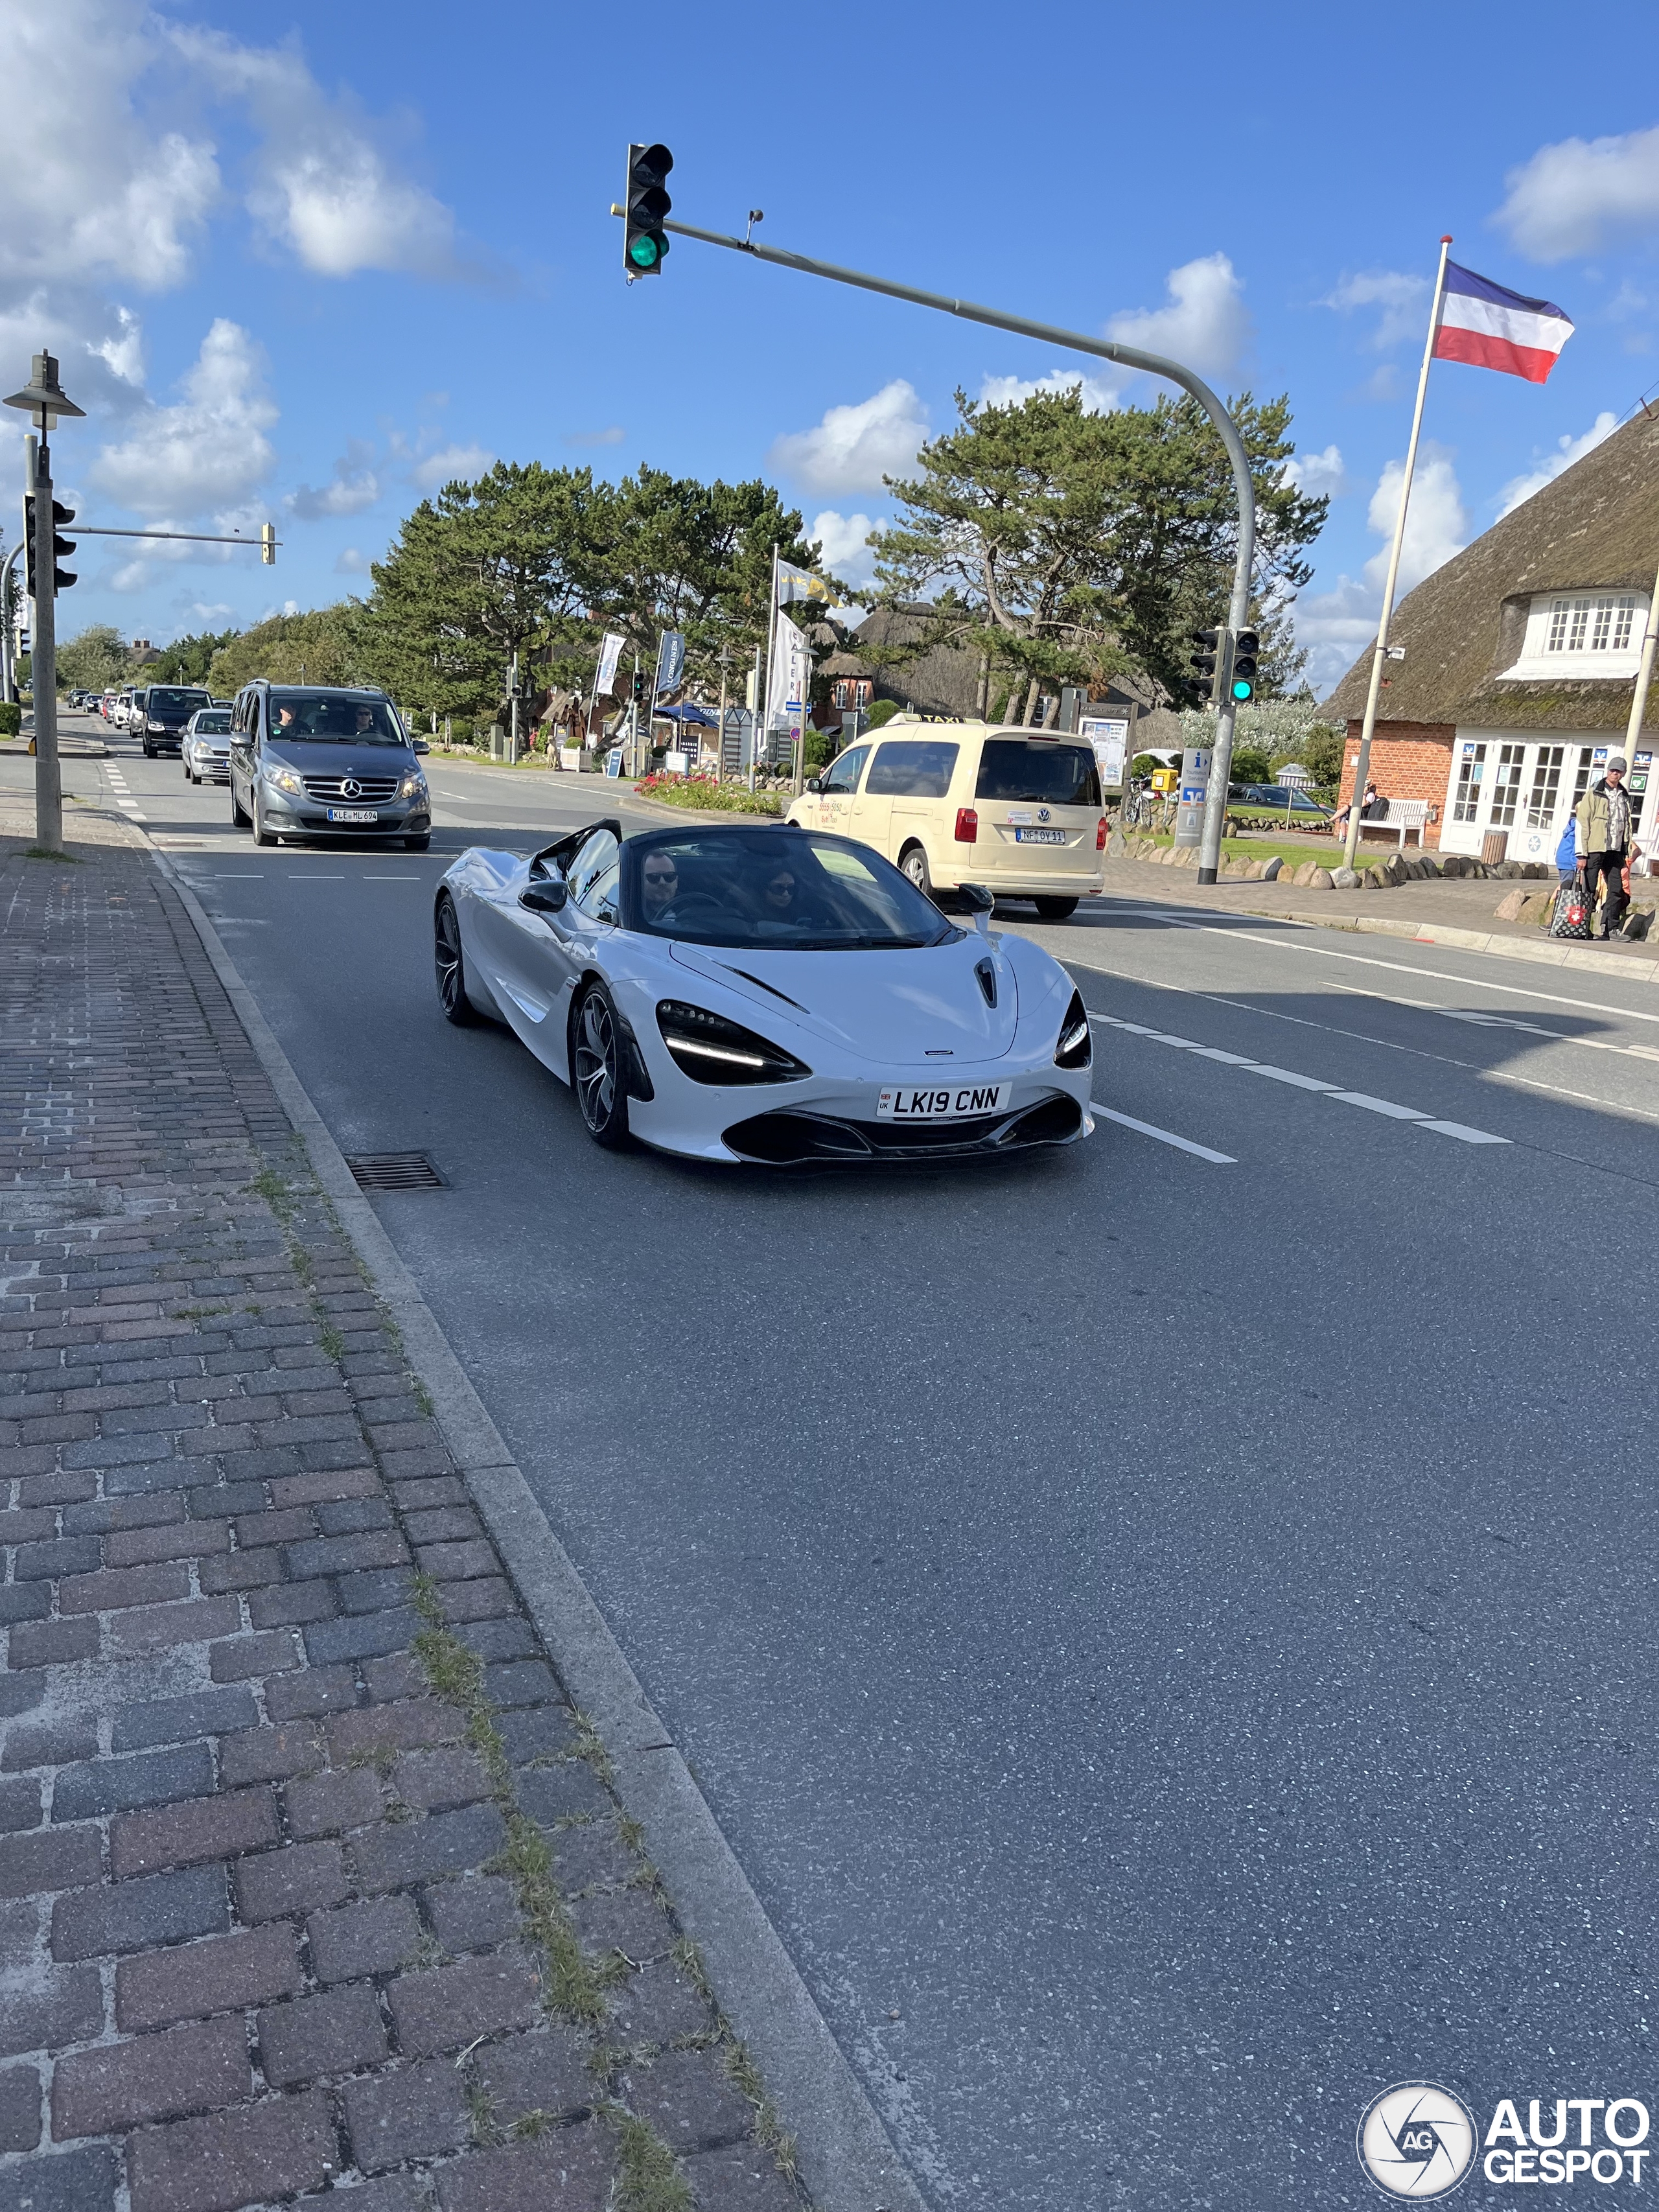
(1403, 814)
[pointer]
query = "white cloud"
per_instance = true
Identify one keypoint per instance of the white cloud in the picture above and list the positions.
(1336, 625)
(1205, 325)
(353, 487)
(839, 539)
(1098, 397)
(613, 436)
(96, 188)
(1574, 196)
(351, 562)
(209, 453)
(466, 463)
(1435, 523)
(1403, 299)
(324, 187)
(1568, 450)
(855, 447)
(1319, 475)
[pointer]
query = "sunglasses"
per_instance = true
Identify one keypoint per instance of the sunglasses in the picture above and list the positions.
(663, 876)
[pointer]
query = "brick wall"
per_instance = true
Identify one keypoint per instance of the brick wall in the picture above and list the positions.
(1409, 760)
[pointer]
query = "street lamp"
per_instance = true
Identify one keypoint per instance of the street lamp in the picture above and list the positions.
(43, 399)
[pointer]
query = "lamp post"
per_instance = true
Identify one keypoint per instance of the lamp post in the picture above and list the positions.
(43, 399)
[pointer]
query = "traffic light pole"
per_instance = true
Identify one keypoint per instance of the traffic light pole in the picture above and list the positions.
(1153, 364)
(43, 658)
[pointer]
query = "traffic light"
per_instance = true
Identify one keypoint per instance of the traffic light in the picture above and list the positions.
(639, 684)
(62, 579)
(1210, 645)
(1246, 646)
(643, 243)
(268, 544)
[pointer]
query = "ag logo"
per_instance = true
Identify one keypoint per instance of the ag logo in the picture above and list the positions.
(1417, 2140)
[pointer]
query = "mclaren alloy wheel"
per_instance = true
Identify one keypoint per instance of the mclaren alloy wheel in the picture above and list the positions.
(597, 1074)
(450, 968)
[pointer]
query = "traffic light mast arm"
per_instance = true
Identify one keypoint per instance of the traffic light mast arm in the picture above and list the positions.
(1153, 364)
(194, 537)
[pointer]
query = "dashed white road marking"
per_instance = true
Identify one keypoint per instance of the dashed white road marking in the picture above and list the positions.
(1388, 1107)
(1165, 1136)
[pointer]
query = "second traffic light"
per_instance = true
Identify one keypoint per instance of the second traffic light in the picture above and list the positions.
(643, 242)
(1211, 655)
(62, 579)
(1246, 646)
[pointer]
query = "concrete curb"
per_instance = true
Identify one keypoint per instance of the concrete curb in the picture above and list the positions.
(846, 2157)
(1550, 952)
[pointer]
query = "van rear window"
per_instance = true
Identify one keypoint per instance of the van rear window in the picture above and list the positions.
(1029, 771)
(911, 769)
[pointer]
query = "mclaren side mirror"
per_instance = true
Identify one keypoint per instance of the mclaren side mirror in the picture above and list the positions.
(547, 897)
(975, 898)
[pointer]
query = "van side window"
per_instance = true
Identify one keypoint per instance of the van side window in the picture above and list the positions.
(842, 775)
(908, 768)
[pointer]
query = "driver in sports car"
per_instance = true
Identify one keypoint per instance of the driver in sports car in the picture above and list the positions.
(660, 882)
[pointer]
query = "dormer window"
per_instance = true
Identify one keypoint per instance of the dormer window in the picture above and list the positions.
(1583, 634)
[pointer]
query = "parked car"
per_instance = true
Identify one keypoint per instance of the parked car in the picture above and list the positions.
(310, 761)
(1283, 796)
(780, 996)
(204, 748)
(968, 802)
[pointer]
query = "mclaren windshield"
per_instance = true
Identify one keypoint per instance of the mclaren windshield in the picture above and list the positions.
(790, 891)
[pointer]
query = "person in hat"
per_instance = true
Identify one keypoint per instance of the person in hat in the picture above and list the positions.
(1603, 836)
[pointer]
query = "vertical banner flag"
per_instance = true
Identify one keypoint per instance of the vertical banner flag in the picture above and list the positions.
(787, 677)
(610, 654)
(800, 583)
(1487, 327)
(671, 661)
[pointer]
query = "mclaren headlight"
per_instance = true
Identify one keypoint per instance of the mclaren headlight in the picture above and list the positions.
(1074, 1049)
(711, 1049)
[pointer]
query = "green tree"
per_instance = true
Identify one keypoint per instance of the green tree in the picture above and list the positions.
(318, 648)
(512, 563)
(1322, 754)
(1252, 764)
(94, 659)
(1072, 545)
(189, 659)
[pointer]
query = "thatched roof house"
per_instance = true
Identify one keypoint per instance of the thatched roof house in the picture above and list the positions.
(1520, 657)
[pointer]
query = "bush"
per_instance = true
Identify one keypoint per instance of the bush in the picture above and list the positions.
(881, 714)
(11, 718)
(702, 791)
(1252, 764)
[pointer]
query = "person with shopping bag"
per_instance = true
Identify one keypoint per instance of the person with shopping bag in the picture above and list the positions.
(1603, 843)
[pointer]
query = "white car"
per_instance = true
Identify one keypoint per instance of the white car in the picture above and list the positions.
(205, 749)
(764, 993)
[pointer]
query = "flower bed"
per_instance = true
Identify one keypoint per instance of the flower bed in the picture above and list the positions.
(704, 793)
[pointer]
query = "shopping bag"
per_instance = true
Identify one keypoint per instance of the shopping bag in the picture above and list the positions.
(1573, 912)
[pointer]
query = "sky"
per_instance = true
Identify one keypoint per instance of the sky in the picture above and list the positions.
(307, 263)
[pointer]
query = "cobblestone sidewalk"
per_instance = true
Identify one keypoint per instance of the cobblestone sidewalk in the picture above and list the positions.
(311, 1883)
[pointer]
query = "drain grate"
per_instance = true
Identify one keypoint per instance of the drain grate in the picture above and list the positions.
(396, 1171)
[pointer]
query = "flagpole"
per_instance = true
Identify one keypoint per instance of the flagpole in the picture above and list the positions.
(1380, 653)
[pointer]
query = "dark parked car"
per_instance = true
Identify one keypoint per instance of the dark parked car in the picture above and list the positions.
(1280, 795)
(315, 762)
(160, 712)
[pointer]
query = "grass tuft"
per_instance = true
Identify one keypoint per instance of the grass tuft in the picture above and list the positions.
(47, 852)
(649, 2177)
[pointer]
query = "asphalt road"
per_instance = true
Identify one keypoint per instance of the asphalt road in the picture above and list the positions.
(1169, 1632)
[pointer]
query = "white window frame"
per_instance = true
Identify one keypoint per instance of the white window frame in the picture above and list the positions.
(1593, 632)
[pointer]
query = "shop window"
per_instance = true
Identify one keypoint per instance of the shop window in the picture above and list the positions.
(1506, 786)
(1471, 773)
(1546, 791)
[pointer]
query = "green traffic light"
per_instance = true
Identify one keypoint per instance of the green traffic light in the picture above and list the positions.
(1243, 690)
(643, 252)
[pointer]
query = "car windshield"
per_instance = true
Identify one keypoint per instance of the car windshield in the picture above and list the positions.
(792, 890)
(166, 699)
(1038, 771)
(333, 718)
(213, 721)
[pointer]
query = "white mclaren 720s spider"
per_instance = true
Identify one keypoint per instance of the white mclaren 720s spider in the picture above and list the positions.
(754, 992)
